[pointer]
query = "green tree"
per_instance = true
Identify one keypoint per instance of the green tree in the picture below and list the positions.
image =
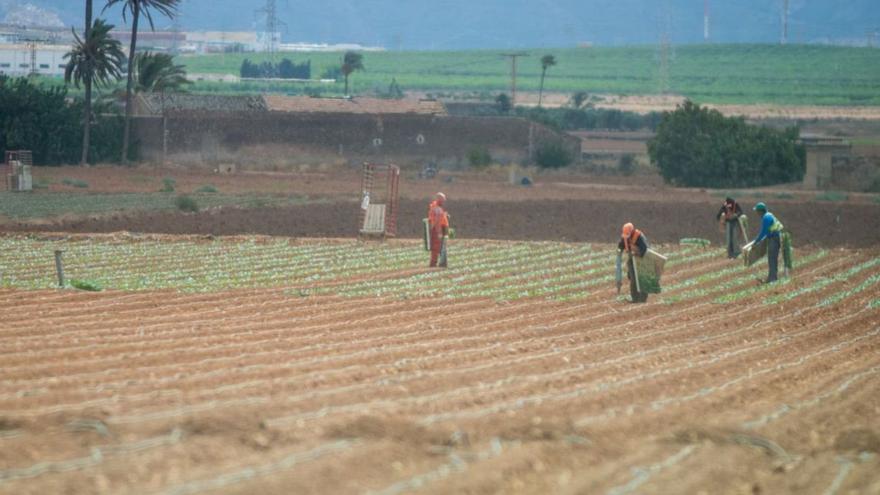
(168, 8)
(698, 147)
(97, 60)
(547, 61)
(351, 62)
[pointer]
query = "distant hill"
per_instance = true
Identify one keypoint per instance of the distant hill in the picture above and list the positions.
(460, 24)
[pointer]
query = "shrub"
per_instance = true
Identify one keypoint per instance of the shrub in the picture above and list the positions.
(186, 203)
(626, 165)
(479, 157)
(168, 184)
(207, 188)
(75, 183)
(699, 147)
(45, 120)
(552, 155)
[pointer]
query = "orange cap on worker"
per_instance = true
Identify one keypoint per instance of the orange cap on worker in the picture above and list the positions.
(627, 231)
(440, 197)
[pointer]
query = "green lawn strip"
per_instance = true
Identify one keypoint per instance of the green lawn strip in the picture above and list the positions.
(735, 296)
(840, 296)
(823, 282)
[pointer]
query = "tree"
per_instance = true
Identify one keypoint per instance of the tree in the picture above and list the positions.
(547, 61)
(95, 59)
(168, 8)
(698, 147)
(351, 62)
(156, 73)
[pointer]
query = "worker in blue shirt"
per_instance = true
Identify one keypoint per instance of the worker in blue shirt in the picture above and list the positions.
(771, 228)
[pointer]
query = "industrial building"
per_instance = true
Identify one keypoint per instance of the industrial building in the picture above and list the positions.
(22, 59)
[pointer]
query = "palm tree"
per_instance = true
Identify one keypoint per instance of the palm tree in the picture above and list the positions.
(547, 61)
(156, 73)
(96, 59)
(352, 61)
(168, 8)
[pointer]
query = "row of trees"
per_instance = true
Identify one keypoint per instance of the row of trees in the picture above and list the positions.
(286, 69)
(97, 59)
(698, 147)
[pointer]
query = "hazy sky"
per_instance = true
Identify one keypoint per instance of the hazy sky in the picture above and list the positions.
(453, 24)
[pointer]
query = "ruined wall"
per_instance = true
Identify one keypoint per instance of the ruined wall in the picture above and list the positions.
(213, 137)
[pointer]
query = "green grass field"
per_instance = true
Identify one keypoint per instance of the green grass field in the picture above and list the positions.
(793, 74)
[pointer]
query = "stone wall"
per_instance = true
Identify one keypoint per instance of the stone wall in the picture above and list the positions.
(216, 137)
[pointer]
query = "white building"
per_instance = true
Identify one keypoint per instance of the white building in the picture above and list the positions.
(24, 59)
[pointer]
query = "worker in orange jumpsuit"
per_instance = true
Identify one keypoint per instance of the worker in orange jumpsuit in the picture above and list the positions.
(438, 222)
(635, 243)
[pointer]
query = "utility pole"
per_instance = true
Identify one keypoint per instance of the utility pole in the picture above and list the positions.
(784, 39)
(706, 21)
(513, 57)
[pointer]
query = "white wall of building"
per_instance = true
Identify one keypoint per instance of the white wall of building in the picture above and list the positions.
(15, 60)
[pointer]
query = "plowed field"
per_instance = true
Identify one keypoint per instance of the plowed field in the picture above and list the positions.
(268, 366)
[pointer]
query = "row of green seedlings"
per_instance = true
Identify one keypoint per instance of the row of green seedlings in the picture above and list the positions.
(822, 282)
(512, 274)
(718, 281)
(463, 268)
(203, 266)
(467, 272)
(761, 288)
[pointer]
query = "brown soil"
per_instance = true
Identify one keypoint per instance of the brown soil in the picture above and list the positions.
(264, 391)
(831, 224)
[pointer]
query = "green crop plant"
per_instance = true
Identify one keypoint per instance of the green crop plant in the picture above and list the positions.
(823, 282)
(840, 296)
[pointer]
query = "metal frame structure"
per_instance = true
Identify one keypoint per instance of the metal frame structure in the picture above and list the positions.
(24, 159)
(380, 200)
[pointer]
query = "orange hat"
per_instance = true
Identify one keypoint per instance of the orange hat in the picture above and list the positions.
(627, 230)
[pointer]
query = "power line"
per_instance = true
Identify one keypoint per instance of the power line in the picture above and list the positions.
(513, 57)
(784, 39)
(272, 24)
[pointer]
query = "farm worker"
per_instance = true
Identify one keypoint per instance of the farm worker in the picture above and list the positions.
(729, 216)
(438, 222)
(634, 243)
(771, 228)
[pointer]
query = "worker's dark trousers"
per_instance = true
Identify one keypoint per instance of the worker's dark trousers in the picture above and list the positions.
(732, 230)
(772, 258)
(637, 297)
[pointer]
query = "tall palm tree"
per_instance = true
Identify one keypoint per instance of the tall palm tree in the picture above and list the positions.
(96, 59)
(168, 8)
(547, 61)
(352, 61)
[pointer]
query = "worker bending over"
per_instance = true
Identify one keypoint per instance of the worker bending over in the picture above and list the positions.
(438, 222)
(634, 243)
(771, 229)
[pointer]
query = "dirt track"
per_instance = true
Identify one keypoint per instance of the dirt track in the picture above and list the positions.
(265, 391)
(829, 224)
